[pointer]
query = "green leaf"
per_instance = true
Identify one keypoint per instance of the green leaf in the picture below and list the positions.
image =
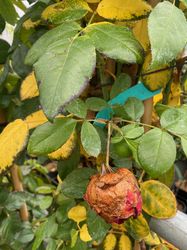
(15, 200)
(4, 47)
(74, 235)
(47, 189)
(116, 42)
(133, 145)
(77, 107)
(96, 103)
(39, 235)
(61, 213)
(66, 166)
(45, 230)
(97, 227)
(167, 32)
(132, 131)
(90, 139)
(156, 152)
(158, 200)
(45, 202)
(64, 31)
(174, 120)
(75, 184)
(184, 2)
(52, 245)
(68, 10)
(18, 58)
(8, 12)
(134, 108)
(64, 229)
(137, 228)
(168, 177)
(72, 65)
(26, 234)
(122, 82)
(2, 24)
(50, 136)
(184, 144)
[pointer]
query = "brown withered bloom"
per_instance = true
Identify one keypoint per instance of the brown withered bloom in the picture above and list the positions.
(114, 196)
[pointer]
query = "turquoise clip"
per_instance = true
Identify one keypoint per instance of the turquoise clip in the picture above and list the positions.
(139, 91)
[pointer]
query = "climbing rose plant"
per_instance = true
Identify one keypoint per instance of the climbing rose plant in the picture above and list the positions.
(91, 115)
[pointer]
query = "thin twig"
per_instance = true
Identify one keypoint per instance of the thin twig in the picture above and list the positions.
(141, 176)
(108, 145)
(18, 186)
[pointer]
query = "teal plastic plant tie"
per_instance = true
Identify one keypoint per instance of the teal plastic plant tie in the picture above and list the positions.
(139, 91)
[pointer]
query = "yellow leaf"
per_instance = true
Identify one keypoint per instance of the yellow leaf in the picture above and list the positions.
(12, 141)
(84, 234)
(77, 213)
(152, 239)
(119, 227)
(29, 87)
(157, 98)
(93, 1)
(65, 150)
(123, 9)
(137, 228)
(175, 94)
(28, 24)
(169, 245)
(125, 243)
(156, 80)
(140, 31)
(35, 119)
(53, 11)
(158, 200)
(110, 242)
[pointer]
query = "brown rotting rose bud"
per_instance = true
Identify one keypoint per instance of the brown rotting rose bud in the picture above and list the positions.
(114, 196)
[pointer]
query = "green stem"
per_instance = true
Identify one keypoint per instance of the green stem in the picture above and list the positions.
(91, 18)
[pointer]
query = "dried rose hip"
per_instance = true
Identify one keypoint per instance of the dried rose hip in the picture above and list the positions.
(114, 196)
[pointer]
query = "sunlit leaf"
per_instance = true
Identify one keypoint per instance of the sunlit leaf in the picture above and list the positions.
(90, 139)
(35, 119)
(167, 32)
(74, 235)
(77, 213)
(125, 243)
(29, 87)
(138, 228)
(156, 80)
(184, 144)
(66, 30)
(50, 136)
(156, 152)
(12, 140)
(158, 200)
(77, 107)
(152, 239)
(116, 42)
(110, 242)
(72, 64)
(140, 31)
(123, 9)
(67, 10)
(84, 234)
(65, 150)
(174, 120)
